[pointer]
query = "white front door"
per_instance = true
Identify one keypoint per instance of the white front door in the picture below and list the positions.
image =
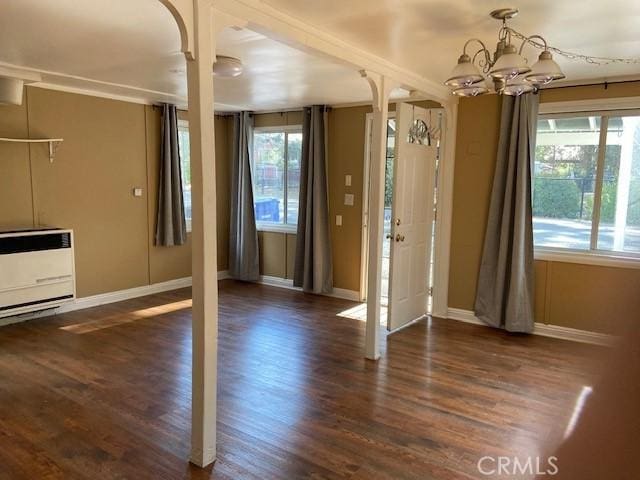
(412, 219)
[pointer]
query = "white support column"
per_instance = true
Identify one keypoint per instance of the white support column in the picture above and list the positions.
(381, 87)
(203, 237)
(445, 211)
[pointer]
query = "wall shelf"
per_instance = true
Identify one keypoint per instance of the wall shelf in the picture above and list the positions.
(53, 143)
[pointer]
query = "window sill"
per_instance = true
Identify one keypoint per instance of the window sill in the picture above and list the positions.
(586, 258)
(265, 227)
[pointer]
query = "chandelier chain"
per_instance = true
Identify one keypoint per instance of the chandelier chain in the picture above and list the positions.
(572, 55)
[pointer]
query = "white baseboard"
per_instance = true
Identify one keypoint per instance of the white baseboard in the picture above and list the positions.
(120, 295)
(288, 283)
(110, 297)
(544, 330)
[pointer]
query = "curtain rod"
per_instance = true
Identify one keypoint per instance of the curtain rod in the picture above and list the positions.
(604, 84)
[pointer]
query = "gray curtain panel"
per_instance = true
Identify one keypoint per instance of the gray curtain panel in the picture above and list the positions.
(505, 293)
(171, 226)
(243, 235)
(313, 269)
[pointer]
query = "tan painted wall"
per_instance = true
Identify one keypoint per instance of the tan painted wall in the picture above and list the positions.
(15, 169)
(345, 156)
(109, 148)
(577, 296)
(347, 129)
(346, 136)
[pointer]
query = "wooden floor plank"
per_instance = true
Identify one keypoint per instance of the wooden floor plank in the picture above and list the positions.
(105, 393)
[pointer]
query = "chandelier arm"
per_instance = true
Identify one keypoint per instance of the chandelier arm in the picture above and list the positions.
(464, 50)
(486, 63)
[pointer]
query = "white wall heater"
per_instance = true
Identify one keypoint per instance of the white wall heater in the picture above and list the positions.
(36, 270)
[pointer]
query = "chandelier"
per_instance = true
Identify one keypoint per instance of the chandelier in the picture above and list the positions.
(506, 67)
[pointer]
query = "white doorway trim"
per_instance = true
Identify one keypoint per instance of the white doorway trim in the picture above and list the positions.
(365, 203)
(443, 215)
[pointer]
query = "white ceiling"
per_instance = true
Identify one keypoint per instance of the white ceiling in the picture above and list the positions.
(109, 46)
(131, 47)
(427, 36)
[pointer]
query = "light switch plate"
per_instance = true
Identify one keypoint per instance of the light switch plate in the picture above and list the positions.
(137, 192)
(339, 220)
(348, 199)
(347, 180)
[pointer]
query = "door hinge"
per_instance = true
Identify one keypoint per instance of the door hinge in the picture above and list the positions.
(431, 291)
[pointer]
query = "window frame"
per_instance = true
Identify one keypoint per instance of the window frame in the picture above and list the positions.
(286, 129)
(184, 125)
(605, 109)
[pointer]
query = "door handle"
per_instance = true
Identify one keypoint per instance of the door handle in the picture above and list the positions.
(399, 238)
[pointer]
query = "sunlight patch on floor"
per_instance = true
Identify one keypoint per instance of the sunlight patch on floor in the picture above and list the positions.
(112, 321)
(577, 410)
(359, 312)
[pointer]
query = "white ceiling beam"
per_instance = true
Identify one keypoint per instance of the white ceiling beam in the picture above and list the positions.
(287, 29)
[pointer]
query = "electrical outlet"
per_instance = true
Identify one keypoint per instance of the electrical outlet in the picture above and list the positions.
(348, 199)
(137, 192)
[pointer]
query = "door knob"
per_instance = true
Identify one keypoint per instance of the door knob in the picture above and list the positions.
(399, 238)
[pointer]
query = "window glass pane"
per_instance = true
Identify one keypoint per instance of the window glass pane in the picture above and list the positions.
(185, 169)
(268, 176)
(294, 151)
(620, 208)
(563, 182)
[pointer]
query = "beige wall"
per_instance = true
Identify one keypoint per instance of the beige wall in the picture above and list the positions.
(347, 128)
(346, 137)
(577, 296)
(346, 131)
(109, 148)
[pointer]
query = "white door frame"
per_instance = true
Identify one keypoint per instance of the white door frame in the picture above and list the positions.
(441, 242)
(365, 204)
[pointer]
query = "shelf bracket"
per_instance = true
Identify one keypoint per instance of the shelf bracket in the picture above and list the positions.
(54, 143)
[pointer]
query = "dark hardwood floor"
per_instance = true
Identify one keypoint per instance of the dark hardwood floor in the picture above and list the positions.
(105, 393)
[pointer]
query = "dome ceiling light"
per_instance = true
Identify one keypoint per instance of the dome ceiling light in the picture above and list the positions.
(227, 67)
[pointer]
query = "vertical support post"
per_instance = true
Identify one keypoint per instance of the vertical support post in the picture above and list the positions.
(381, 88)
(203, 237)
(445, 211)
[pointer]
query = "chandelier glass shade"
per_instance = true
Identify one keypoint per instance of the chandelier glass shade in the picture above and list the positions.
(509, 65)
(517, 87)
(471, 90)
(465, 73)
(507, 69)
(545, 70)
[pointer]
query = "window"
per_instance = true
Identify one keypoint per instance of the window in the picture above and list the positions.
(586, 183)
(185, 168)
(275, 170)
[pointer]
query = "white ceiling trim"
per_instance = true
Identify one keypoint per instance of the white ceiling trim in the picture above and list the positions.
(138, 95)
(11, 71)
(282, 27)
(92, 93)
